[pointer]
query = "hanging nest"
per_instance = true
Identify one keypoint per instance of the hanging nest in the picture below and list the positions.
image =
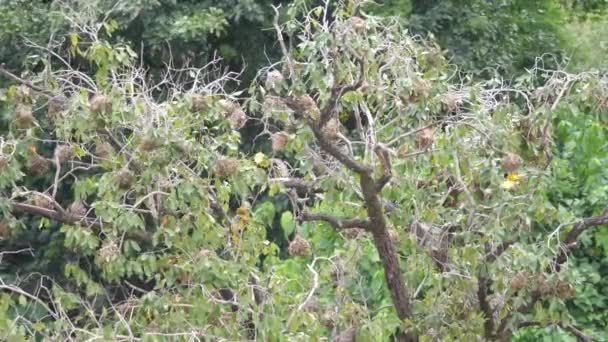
(354, 233)
(565, 291)
(543, 287)
(43, 201)
(24, 116)
(274, 104)
(5, 229)
(233, 112)
(357, 24)
(56, 107)
(393, 235)
(511, 162)
(306, 105)
(125, 179)
(108, 252)
(4, 161)
(37, 164)
(238, 119)
(23, 94)
(452, 101)
(520, 281)
(226, 167)
(425, 138)
(279, 168)
(279, 140)
(201, 103)
(330, 318)
(150, 143)
(274, 80)
(104, 150)
(331, 129)
(77, 209)
(299, 246)
(100, 104)
(63, 153)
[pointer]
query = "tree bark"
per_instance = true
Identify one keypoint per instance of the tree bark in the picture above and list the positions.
(392, 273)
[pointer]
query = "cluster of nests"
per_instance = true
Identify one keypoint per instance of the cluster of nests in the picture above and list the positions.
(100, 105)
(526, 280)
(76, 209)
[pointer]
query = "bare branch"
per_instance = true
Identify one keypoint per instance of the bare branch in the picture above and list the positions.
(335, 222)
(20, 291)
(387, 170)
(26, 83)
(277, 28)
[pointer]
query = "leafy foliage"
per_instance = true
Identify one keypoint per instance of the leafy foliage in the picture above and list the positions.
(488, 37)
(183, 32)
(382, 198)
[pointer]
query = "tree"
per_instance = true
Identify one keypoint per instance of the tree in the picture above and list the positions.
(488, 38)
(416, 206)
(181, 32)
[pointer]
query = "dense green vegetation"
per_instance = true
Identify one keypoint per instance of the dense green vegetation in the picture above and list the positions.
(341, 180)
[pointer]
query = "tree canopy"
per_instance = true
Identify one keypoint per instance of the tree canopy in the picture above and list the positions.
(364, 185)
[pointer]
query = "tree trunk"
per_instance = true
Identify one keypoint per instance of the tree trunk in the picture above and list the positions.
(388, 255)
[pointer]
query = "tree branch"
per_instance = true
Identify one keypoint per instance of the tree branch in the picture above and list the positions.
(483, 285)
(555, 265)
(572, 237)
(54, 215)
(335, 222)
(336, 95)
(67, 218)
(300, 185)
(387, 170)
(335, 152)
(493, 255)
(570, 328)
(26, 83)
(277, 28)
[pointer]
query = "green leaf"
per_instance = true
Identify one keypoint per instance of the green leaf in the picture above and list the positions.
(22, 300)
(601, 236)
(287, 223)
(261, 160)
(264, 213)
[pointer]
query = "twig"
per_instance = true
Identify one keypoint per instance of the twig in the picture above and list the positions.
(310, 294)
(385, 161)
(277, 28)
(18, 290)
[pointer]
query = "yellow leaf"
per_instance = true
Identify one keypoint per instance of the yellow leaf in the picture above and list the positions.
(74, 39)
(261, 160)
